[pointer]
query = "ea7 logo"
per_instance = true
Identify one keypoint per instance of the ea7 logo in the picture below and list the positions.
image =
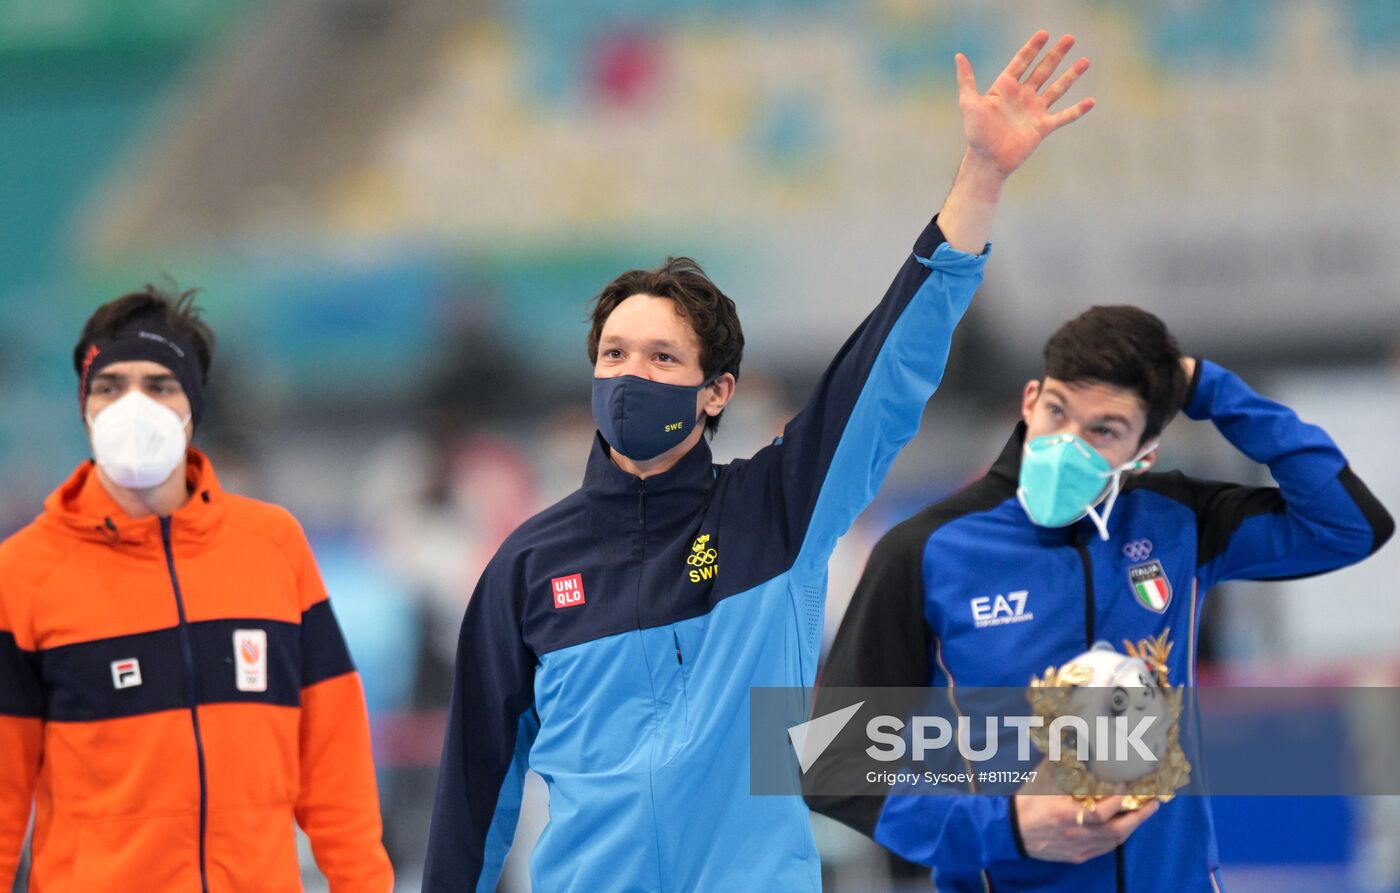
(1000, 610)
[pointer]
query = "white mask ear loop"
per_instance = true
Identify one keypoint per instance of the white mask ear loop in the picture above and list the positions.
(1101, 521)
(1116, 486)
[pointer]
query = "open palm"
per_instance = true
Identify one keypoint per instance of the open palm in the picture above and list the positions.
(1005, 125)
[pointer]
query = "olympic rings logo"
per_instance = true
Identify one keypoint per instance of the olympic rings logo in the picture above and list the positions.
(700, 559)
(1138, 550)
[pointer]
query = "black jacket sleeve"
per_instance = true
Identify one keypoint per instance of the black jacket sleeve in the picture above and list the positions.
(883, 641)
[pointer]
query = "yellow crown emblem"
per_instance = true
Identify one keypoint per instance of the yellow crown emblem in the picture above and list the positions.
(700, 554)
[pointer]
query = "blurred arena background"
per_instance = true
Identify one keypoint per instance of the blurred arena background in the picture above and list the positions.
(398, 209)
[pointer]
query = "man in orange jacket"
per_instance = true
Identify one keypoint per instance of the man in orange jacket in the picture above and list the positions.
(174, 689)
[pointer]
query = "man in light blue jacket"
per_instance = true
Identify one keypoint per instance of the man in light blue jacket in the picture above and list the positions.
(612, 641)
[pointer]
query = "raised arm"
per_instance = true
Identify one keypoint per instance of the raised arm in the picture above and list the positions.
(1004, 127)
(835, 452)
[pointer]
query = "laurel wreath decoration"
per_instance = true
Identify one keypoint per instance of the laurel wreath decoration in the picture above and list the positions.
(1050, 696)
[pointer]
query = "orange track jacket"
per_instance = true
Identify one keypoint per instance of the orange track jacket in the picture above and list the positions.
(173, 693)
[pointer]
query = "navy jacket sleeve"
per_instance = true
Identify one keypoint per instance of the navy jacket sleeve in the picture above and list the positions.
(885, 641)
(1319, 518)
(835, 452)
(490, 728)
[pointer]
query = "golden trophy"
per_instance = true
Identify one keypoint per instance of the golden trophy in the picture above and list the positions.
(1090, 707)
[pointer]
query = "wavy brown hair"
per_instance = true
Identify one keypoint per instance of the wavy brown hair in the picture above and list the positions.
(709, 311)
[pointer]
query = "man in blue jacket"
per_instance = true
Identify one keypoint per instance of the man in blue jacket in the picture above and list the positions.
(613, 639)
(1069, 539)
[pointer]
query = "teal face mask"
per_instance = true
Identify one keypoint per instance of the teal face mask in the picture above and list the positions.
(1063, 479)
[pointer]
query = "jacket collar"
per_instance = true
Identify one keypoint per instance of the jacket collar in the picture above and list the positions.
(1007, 466)
(682, 484)
(82, 507)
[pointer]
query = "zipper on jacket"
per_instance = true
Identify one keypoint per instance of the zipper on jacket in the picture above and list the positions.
(191, 691)
(1080, 539)
(641, 574)
(1083, 551)
(642, 520)
(676, 637)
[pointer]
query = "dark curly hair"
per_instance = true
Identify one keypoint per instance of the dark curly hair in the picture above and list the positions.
(176, 307)
(1126, 347)
(709, 311)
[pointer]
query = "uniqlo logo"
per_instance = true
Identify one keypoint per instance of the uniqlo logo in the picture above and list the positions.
(568, 591)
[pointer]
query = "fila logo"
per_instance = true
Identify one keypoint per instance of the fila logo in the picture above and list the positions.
(1000, 610)
(568, 591)
(250, 659)
(126, 673)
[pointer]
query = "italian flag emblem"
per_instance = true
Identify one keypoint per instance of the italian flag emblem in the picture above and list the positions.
(1150, 585)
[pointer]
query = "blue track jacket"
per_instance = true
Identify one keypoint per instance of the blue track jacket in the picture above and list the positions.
(612, 640)
(926, 613)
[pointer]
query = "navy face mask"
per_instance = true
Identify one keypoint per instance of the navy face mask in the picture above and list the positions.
(642, 419)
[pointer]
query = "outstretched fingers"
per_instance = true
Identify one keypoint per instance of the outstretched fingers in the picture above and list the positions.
(1022, 60)
(1062, 84)
(1070, 115)
(1047, 65)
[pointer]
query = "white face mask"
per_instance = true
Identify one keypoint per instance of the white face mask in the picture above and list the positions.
(138, 442)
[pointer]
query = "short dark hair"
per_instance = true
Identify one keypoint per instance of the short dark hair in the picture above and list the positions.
(177, 308)
(711, 314)
(1126, 347)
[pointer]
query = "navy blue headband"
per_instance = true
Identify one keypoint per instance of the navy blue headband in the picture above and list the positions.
(147, 338)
